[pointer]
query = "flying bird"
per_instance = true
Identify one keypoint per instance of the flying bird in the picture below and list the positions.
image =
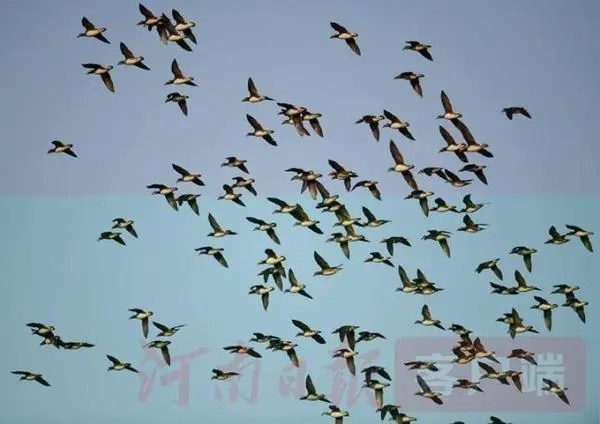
(131, 59)
(91, 31)
(103, 71)
(60, 147)
(343, 34)
(419, 47)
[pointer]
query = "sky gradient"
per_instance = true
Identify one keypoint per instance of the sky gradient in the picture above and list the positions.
(487, 56)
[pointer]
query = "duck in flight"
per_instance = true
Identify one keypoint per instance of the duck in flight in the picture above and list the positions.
(91, 31)
(343, 34)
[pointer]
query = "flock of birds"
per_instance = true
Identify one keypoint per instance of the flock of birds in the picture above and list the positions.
(469, 347)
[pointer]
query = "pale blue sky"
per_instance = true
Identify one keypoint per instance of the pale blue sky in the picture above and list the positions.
(487, 55)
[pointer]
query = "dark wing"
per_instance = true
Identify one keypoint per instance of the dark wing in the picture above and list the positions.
(423, 384)
(177, 16)
(396, 155)
(389, 115)
(125, 50)
(446, 102)
(320, 261)
(175, 69)
(108, 82)
(180, 169)
(300, 325)
(213, 222)
(466, 133)
(255, 124)
(353, 45)
(446, 136)
(338, 27)
(255, 220)
(86, 23)
(252, 88)
(113, 359)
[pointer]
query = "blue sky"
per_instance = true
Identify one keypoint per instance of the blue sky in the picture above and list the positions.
(486, 56)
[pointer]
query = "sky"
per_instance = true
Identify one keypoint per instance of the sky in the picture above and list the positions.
(487, 56)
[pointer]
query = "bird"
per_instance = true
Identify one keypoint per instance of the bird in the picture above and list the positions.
(184, 26)
(103, 71)
(337, 414)
(348, 355)
(166, 331)
(217, 231)
(373, 122)
(526, 253)
(421, 196)
(546, 307)
(126, 224)
(259, 131)
(143, 317)
(371, 185)
(477, 170)
(401, 166)
(441, 237)
(311, 392)
(340, 173)
(396, 123)
(470, 226)
(306, 331)
(269, 228)
(372, 220)
(91, 31)
(583, 235)
(428, 320)
(263, 292)
(458, 149)
(186, 176)
(243, 350)
(255, 95)
(556, 237)
(391, 241)
(230, 195)
(313, 120)
(576, 305)
(326, 269)
(515, 110)
(163, 345)
(29, 376)
(341, 33)
(377, 387)
(180, 99)
(427, 392)
(112, 235)
(377, 257)
(492, 265)
(303, 220)
(223, 375)
(165, 191)
(215, 252)
(413, 78)
(233, 162)
(60, 147)
(441, 206)
(150, 20)
(245, 183)
(449, 112)
(191, 201)
(118, 365)
(472, 145)
(419, 47)
(295, 286)
(553, 387)
(131, 59)
(178, 77)
(167, 32)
